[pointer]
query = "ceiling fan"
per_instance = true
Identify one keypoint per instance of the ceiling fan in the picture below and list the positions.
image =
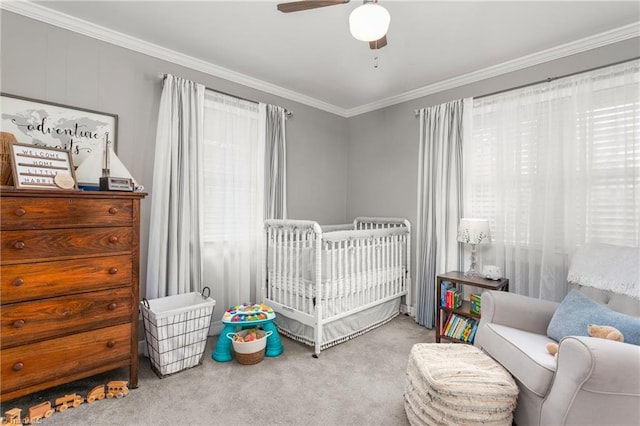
(368, 22)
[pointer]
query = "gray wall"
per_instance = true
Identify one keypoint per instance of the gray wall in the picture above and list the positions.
(44, 62)
(337, 168)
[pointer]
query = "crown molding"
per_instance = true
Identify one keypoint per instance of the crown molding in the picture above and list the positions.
(558, 52)
(80, 26)
(49, 16)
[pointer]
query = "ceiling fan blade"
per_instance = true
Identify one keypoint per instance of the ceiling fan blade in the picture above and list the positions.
(296, 6)
(378, 44)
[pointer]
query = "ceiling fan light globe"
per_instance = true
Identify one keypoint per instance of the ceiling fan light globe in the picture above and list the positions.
(369, 22)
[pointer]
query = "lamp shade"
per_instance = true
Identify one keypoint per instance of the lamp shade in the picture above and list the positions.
(369, 22)
(474, 231)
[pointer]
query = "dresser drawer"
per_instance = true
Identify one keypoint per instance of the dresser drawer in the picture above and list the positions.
(49, 279)
(28, 246)
(42, 319)
(42, 213)
(23, 366)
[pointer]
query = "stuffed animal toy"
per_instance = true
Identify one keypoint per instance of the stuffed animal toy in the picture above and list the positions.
(601, 331)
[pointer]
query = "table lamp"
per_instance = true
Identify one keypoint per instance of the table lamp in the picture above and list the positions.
(473, 231)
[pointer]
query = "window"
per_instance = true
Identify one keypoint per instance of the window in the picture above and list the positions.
(232, 161)
(556, 144)
(554, 166)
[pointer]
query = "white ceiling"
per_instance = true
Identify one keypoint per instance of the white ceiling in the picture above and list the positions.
(311, 57)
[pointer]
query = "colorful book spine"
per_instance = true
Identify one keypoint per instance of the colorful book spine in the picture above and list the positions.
(459, 328)
(476, 307)
(455, 326)
(444, 286)
(473, 333)
(453, 298)
(448, 325)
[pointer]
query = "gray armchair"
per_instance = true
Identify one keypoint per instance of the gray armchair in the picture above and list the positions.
(592, 382)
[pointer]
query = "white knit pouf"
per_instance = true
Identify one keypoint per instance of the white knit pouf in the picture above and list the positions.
(457, 384)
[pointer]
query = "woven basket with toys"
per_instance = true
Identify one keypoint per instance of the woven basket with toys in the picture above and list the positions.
(249, 345)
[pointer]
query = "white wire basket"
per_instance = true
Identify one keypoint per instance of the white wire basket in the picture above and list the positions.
(176, 330)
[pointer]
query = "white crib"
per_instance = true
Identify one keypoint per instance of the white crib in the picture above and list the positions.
(330, 284)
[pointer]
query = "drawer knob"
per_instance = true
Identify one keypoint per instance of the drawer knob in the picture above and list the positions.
(18, 282)
(20, 211)
(113, 210)
(18, 366)
(18, 323)
(111, 343)
(18, 245)
(113, 271)
(113, 239)
(112, 306)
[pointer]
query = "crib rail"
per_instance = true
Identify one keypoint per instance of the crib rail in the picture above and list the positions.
(380, 223)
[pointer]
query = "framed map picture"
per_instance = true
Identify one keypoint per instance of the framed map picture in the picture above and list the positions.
(79, 131)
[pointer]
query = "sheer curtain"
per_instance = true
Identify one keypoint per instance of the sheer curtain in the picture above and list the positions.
(439, 201)
(174, 257)
(554, 166)
(234, 161)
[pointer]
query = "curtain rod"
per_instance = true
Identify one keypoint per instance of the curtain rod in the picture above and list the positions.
(548, 80)
(287, 112)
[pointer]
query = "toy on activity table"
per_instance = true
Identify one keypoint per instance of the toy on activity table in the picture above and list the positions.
(246, 316)
(248, 313)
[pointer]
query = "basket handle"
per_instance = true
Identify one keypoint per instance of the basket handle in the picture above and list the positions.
(145, 302)
(208, 290)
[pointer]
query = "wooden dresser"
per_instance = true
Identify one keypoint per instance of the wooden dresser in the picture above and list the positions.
(69, 294)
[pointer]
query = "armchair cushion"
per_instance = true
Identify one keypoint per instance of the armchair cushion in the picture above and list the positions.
(523, 354)
(577, 311)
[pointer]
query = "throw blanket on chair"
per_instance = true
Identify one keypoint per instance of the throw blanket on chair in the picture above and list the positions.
(607, 267)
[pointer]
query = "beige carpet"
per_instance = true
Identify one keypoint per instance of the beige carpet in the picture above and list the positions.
(360, 382)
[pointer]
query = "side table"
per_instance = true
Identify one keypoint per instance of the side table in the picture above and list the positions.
(459, 279)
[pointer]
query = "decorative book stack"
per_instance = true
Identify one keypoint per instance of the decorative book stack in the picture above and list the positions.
(460, 328)
(451, 297)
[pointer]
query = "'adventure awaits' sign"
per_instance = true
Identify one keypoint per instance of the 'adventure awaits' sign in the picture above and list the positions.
(78, 131)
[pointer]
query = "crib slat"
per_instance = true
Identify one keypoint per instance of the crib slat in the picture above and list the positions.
(358, 273)
(281, 272)
(351, 275)
(332, 276)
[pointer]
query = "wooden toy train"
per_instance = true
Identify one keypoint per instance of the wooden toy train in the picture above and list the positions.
(44, 410)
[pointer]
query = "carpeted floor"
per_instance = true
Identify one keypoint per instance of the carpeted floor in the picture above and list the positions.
(355, 383)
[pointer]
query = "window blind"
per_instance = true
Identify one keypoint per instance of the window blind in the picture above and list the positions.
(574, 144)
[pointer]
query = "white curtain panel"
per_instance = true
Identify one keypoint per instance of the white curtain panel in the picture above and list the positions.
(234, 161)
(439, 201)
(554, 166)
(174, 257)
(275, 163)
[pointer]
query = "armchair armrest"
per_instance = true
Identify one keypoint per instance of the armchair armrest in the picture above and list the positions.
(517, 311)
(597, 381)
